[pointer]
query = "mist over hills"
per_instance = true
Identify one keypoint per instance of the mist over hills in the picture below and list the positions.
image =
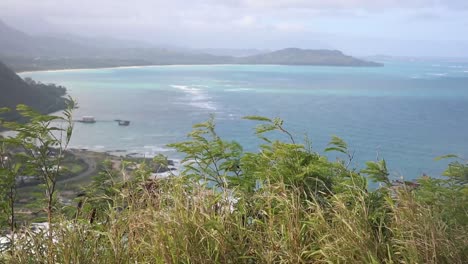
(231, 52)
(24, 52)
(16, 43)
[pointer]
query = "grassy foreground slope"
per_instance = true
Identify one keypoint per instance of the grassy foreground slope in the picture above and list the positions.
(285, 203)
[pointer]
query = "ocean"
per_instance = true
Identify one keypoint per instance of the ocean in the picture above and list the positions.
(406, 112)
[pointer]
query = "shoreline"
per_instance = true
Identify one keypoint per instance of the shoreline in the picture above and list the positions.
(144, 66)
(184, 65)
(83, 69)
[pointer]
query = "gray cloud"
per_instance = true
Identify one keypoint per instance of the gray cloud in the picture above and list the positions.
(245, 23)
(424, 16)
(113, 8)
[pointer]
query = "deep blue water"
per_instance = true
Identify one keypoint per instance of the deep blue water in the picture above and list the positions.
(408, 113)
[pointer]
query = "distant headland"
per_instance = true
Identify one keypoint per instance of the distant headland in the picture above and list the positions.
(44, 98)
(23, 52)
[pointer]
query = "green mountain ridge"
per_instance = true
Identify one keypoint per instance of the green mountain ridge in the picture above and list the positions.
(23, 52)
(296, 56)
(44, 98)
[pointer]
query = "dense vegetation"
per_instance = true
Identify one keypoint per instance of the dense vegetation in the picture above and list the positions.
(285, 203)
(45, 98)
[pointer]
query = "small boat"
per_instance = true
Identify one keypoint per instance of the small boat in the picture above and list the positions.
(87, 119)
(124, 122)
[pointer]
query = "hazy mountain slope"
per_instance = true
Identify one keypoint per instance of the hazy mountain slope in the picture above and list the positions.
(13, 41)
(230, 52)
(23, 52)
(17, 43)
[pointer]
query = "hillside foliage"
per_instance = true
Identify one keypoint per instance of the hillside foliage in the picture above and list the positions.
(44, 98)
(285, 203)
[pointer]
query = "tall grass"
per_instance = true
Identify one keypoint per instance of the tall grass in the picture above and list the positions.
(175, 223)
(284, 204)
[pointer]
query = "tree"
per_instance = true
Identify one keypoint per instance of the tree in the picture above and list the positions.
(208, 157)
(42, 142)
(9, 170)
(10, 166)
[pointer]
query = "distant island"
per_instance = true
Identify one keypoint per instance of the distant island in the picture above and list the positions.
(44, 98)
(23, 52)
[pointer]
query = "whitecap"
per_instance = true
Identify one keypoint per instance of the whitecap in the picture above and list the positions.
(196, 97)
(186, 88)
(232, 116)
(204, 105)
(437, 74)
(199, 97)
(179, 86)
(238, 90)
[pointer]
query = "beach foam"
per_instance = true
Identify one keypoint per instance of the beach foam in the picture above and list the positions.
(158, 148)
(98, 147)
(79, 147)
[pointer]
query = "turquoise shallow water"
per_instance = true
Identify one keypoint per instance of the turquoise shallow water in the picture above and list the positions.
(407, 113)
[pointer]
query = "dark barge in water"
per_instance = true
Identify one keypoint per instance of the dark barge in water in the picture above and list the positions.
(91, 120)
(122, 122)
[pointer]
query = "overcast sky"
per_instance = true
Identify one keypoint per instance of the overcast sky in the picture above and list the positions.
(359, 27)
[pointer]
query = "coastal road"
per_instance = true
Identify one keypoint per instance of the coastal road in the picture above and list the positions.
(90, 171)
